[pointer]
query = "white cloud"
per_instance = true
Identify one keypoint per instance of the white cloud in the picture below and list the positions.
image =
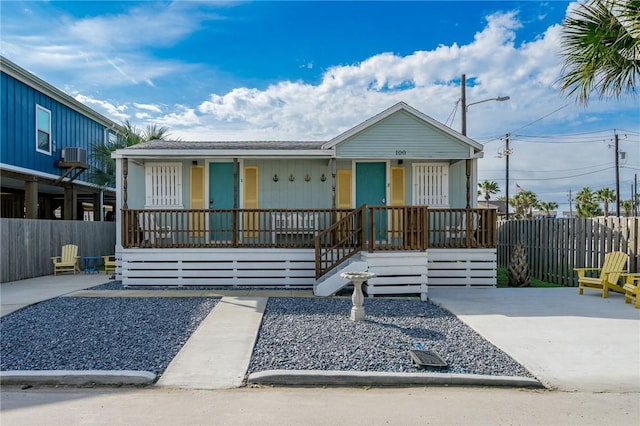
(106, 108)
(148, 107)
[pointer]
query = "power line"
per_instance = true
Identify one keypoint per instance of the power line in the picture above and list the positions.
(540, 119)
(567, 177)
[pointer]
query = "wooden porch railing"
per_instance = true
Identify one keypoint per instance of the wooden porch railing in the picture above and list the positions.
(225, 228)
(393, 228)
(340, 241)
(462, 228)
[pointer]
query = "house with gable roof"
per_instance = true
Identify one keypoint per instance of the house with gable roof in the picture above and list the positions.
(394, 195)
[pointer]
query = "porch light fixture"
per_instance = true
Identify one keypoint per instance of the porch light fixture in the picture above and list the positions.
(291, 177)
(323, 178)
(307, 178)
(275, 177)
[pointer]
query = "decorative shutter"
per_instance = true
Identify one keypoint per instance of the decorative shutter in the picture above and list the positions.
(251, 219)
(343, 189)
(397, 186)
(163, 185)
(431, 185)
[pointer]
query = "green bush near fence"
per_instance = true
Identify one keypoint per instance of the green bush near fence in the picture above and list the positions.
(503, 281)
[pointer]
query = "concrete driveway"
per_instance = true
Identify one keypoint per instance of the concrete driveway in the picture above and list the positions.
(569, 342)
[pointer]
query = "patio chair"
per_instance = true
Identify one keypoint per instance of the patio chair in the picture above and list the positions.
(152, 230)
(610, 273)
(68, 261)
(632, 289)
(109, 263)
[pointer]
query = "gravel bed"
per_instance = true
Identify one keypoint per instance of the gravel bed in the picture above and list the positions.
(74, 333)
(317, 334)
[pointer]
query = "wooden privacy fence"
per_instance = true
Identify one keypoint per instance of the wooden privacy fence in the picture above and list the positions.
(29, 244)
(556, 246)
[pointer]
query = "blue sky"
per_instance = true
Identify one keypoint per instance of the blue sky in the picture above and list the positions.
(230, 70)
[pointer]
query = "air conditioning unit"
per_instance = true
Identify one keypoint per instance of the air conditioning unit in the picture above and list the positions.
(74, 155)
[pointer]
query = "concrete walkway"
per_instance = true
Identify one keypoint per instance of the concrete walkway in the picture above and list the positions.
(16, 295)
(218, 353)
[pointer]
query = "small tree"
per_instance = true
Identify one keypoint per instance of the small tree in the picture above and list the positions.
(586, 204)
(547, 207)
(627, 206)
(523, 203)
(105, 173)
(518, 270)
(606, 196)
(488, 188)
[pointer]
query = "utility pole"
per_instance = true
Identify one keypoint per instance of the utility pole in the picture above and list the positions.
(570, 204)
(634, 195)
(615, 139)
(506, 191)
(463, 102)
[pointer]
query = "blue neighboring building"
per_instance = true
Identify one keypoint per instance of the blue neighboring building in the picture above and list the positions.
(46, 138)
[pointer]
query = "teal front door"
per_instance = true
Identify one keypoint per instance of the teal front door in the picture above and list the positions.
(371, 189)
(221, 198)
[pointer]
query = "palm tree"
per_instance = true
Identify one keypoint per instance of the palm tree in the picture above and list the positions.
(586, 205)
(606, 195)
(601, 46)
(627, 206)
(523, 203)
(488, 188)
(104, 174)
(547, 207)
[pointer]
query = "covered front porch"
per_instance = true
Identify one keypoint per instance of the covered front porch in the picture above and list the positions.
(303, 247)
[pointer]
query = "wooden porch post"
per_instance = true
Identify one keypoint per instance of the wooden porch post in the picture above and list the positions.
(334, 171)
(468, 172)
(125, 172)
(236, 203)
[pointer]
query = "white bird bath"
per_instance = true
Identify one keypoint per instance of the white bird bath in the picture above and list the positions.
(357, 278)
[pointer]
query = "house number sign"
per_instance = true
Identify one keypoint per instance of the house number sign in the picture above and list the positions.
(401, 152)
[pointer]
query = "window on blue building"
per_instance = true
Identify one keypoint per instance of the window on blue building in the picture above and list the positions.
(110, 137)
(43, 130)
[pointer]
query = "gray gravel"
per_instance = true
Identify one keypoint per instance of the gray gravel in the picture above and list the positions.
(316, 334)
(296, 334)
(99, 334)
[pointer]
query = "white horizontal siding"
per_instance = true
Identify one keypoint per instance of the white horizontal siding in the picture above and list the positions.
(402, 132)
(396, 272)
(462, 267)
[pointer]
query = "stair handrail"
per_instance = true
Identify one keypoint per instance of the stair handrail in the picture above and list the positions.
(344, 241)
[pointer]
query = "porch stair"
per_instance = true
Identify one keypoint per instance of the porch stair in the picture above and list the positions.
(332, 282)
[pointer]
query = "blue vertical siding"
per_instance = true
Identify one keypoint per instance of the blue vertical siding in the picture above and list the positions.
(69, 128)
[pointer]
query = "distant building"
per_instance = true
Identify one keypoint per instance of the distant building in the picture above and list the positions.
(46, 138)
(500, 206)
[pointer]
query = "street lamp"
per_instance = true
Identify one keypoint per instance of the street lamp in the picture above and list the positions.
(465, 106)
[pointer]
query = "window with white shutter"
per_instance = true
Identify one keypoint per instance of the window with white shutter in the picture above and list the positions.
(163, 185)
(431, 184)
